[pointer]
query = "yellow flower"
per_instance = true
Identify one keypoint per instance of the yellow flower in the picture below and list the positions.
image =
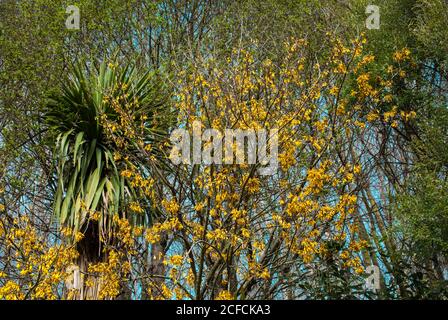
(135, 207)
(148, 147)
(372, 116)
(171, 205)
(402, 55)
(245, 232)
(94, 215)
(360, 124)
(359, 270)
(253, 185)
(78, 236)
(408, 115)
(390, 114)
(344, 255)
(117, 156)
(138, 231)
(152, 236)
(126, 173)
(264, 274)
(388, 98)
(199, 206)
(334, 91)
(11, 291)
(224, 295)
(176, 260)
(390, 69)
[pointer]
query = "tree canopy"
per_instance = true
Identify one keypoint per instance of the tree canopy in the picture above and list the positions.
(93, 207)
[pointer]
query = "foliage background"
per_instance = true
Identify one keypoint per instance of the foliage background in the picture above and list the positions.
(389, 137)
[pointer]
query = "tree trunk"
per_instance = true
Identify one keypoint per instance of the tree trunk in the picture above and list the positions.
(90, 252)
(157, 268)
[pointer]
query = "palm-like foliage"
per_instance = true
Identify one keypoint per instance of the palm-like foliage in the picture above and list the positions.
(89, 178)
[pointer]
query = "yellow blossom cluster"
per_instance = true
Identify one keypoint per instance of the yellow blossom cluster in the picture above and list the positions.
(37, 267)
(108, 275)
